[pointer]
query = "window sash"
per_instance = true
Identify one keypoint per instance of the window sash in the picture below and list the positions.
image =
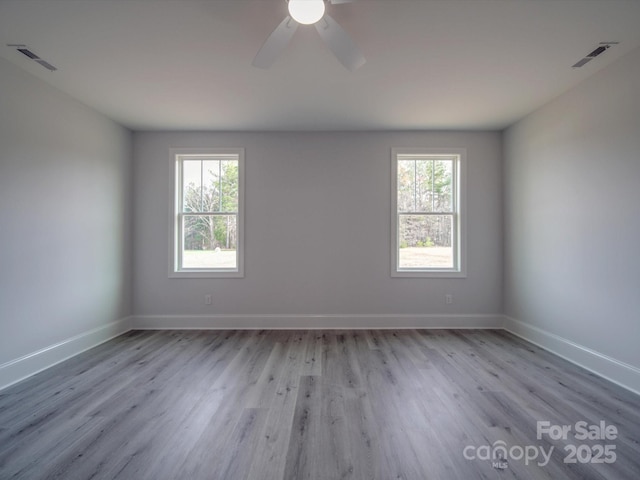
(181, 238)
(454, 243)
(202, 159)
(418, 183)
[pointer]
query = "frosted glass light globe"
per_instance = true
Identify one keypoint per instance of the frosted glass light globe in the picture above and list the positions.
(306, 12)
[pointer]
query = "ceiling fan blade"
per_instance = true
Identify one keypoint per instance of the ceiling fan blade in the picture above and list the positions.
(338, 2)
(275, 44)
(340, 43)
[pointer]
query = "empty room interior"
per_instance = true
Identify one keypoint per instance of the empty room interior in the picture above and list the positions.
(319, 239)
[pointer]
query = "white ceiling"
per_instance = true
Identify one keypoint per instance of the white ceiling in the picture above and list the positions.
(431, 64)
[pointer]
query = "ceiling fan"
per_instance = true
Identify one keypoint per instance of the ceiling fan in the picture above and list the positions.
(310, 12)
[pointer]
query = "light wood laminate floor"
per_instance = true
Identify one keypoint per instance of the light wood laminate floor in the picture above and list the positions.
(323, 405)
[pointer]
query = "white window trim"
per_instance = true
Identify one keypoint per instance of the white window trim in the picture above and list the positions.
(460, 249)
(174, 231)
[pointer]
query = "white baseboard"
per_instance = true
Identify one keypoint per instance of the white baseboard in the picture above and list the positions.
(20, 368)
(620, 373)
(312, 322)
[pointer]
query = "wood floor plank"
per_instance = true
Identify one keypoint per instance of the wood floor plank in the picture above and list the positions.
(313, 354)
(246, 439)
(302, 461)
(332, 437)
(269, 461)
(393, 416)
(289, 405)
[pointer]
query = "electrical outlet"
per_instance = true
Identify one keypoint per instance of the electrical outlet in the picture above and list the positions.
(448, 299)
(207, 299)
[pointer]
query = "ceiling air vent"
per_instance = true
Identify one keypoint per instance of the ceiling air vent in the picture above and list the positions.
(604, 46)
(28, 53)
(598, 51)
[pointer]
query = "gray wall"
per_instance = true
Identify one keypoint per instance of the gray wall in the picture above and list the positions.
(572, 214)
(317, 227)
(65, 241)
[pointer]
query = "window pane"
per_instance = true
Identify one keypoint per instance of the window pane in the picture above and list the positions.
(229, 185)
(191, 183)
(406, 186)
(424, 186)
(425, 241)
(443, 186)
(209, 241)
(210, 186)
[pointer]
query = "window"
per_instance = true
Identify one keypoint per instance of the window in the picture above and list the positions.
(207, 213)
(428, 213)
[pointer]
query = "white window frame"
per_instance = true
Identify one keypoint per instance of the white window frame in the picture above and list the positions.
(459, 215)
(175, 245)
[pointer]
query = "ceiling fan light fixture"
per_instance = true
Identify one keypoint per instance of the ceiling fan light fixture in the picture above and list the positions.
(306, 12)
